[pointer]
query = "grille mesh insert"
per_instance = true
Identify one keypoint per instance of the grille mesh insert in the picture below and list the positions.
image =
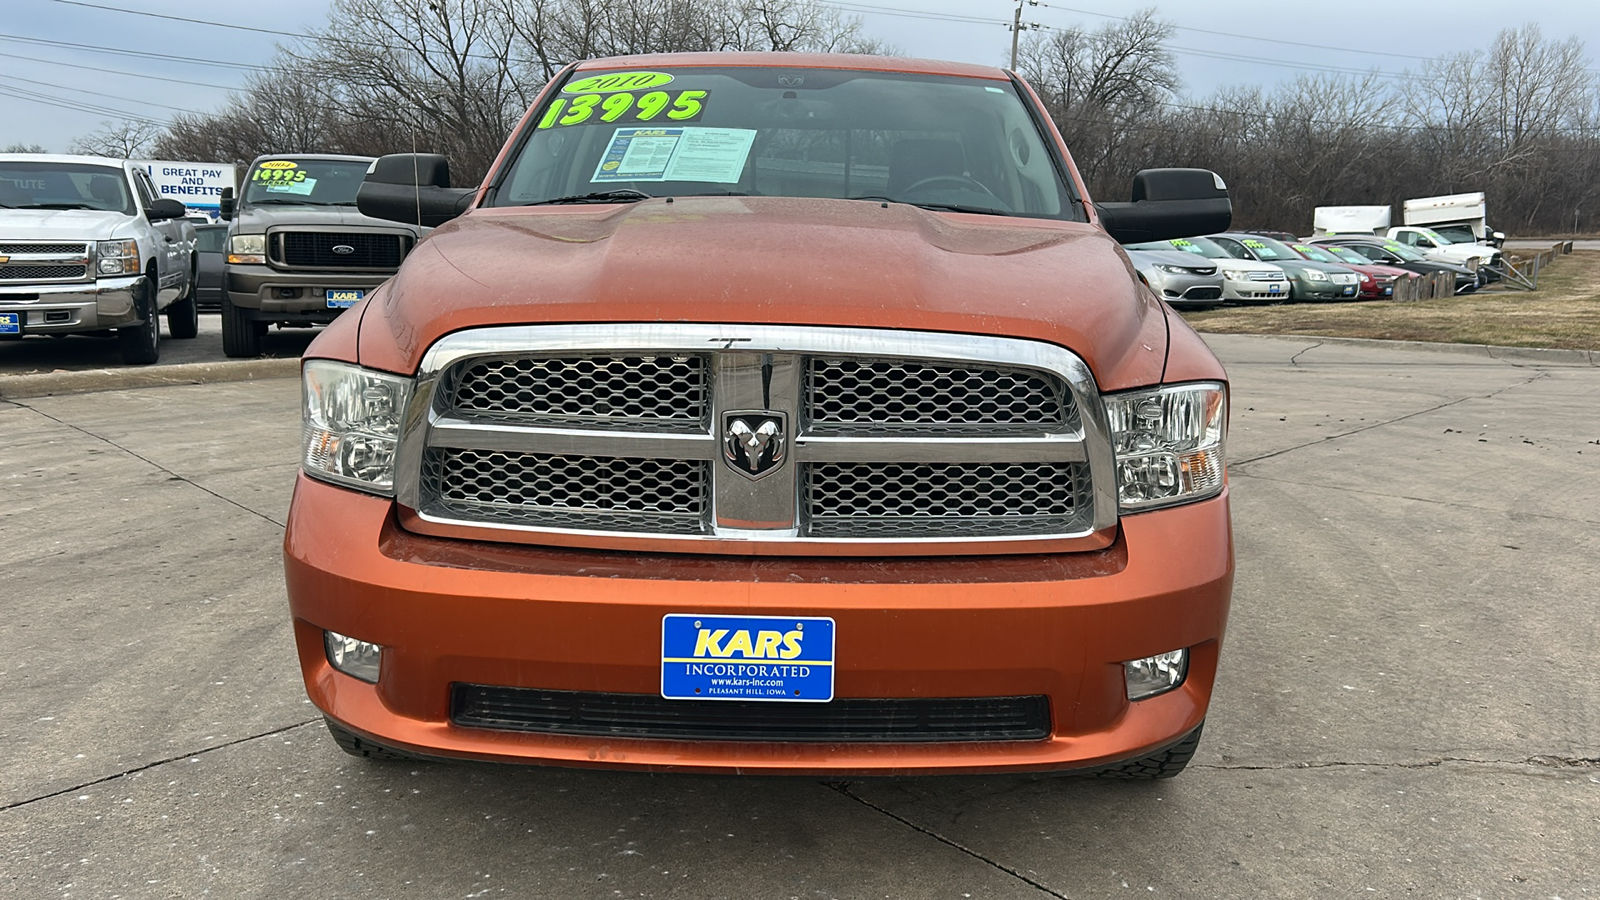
(864, 396)
(41, 273)
(943, 499)
(649, 716)
(367, 251)
(654, 392)
(9, 249)
(587, 492)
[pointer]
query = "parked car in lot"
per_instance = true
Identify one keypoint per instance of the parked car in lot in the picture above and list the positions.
(1310, 280)
(299, 252)
(86, 247)
(1479, 258)
(1361, 264)
(1377, 282)
(1392, 253)
(704, 436)
(210, 275)
(1179, 278)
(1243, 280)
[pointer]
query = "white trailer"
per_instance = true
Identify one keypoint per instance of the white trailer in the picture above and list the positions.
(1468, 212)
(1351, 219)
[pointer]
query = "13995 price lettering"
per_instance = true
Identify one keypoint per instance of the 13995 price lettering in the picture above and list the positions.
(682, 106)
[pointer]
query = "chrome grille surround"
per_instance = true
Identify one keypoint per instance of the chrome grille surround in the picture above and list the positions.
(625, 464)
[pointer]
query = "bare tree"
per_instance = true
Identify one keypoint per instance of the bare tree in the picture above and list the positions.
(22, 148)
(127, 139)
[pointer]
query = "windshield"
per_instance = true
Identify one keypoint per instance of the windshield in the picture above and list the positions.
(935, 141)
(1345, 254)
(309, 182)
(1438, 238)
(1268, 249)
(1197, 245)
(1402, 251)
(1316, 253)
(48, 185)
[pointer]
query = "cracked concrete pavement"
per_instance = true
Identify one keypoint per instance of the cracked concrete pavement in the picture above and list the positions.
(1407, 703)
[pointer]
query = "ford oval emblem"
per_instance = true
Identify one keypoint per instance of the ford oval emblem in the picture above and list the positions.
(343, 249)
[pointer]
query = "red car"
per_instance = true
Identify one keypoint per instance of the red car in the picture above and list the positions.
(1377, 282)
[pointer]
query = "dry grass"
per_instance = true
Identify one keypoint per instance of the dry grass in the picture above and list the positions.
(1563, 313)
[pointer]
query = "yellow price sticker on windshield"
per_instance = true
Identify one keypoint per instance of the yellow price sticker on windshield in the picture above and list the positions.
(617, 81)
(624, 107)
(278, 164)
(278, 175)
(1255, 245)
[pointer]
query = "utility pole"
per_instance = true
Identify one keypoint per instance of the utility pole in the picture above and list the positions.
(1016, 32)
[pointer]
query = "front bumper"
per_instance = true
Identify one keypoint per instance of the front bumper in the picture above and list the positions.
(1190, 290)
(1241, 289)
(467, 612)
(258, 292)
(72, 308)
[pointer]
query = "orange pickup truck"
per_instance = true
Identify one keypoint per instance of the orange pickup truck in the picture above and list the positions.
(768, 414)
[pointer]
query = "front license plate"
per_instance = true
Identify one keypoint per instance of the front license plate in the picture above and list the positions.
(746, 658)
(1388, 292)
(10, 323)
(344, 299)
(1272, 289)
(1349, 292)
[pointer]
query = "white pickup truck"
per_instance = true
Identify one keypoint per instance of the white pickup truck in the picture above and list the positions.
(86, 246)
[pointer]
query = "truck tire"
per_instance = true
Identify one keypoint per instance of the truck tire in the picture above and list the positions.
(183, 316)
(1165, 764)
(355, 745)
(141, 343)
(241, 337)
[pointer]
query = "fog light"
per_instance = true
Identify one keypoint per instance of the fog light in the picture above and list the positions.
(1149, 676)
(359, 659)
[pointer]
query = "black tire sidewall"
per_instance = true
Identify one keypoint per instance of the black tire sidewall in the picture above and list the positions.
(141, 344)
(240, 336)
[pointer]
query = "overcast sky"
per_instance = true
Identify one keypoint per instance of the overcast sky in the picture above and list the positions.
(1351, 35)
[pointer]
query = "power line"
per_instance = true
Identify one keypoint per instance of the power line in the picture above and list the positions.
(75, 106)
(57, 62)
(97, 93)
(141, 54)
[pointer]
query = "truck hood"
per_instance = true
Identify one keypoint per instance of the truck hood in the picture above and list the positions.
(60, 224)
(257, 219)
(778, 261)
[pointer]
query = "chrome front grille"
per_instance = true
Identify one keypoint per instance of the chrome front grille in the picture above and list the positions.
(1267, 276)
(27, 261)
(943, 499)
(639, 437)
(868, 396)
(654, 392)
(587, 492)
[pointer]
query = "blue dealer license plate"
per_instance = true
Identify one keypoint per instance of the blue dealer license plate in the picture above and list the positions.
(344, 299)
(746, 658)
(10, 323)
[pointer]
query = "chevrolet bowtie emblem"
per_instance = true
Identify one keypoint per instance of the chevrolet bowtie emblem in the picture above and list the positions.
(753, 441)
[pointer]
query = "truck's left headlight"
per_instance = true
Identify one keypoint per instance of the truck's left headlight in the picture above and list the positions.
(351, 422)
(117, 257)
(1168, 443)
(247, 249)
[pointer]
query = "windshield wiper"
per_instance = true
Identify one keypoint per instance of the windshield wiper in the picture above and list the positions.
(283, 201)
(622, 195)
(947, 207)
(54, 206)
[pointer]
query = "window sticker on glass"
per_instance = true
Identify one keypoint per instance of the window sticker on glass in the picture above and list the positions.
(715, 155)
(302, 187)
(684, 106)
(617, 81)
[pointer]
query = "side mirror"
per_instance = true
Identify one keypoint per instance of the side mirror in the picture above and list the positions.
(225, 205)
(1169, 203)
(164, 209)
(413, 188)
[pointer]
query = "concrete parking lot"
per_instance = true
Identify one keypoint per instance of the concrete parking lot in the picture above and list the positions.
(1407, 704)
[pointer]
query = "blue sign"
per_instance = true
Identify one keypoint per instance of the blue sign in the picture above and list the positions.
(746, 658)
(10, 323)
(344, 299)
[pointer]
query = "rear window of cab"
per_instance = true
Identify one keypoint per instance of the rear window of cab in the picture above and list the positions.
(964, 143)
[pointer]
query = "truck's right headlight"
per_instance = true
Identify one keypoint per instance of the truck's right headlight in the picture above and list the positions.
(1168, 443)
(117, 257)
(247, 249)
(351, 420)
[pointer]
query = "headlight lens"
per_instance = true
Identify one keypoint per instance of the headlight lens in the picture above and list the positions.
(1174, 270)
(247, 249)
(1314, 275)
(1168, 444)
(117, 257)
(351, 422)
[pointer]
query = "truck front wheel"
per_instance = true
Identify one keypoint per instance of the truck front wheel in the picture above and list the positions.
(141, 344)
(241, 337)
